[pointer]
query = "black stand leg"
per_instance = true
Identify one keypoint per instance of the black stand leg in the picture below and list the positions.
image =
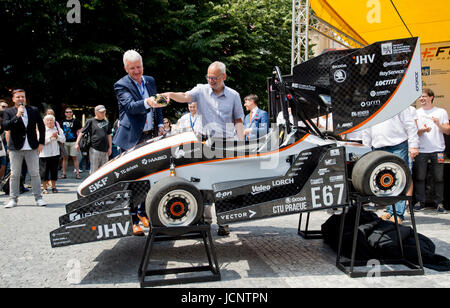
(308, 234)
(348, 267)
(179, 233)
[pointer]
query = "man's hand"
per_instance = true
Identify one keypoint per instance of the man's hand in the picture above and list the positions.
(20, 111)
(152, 102)
(413, 152)
(40, 148)
(247, 131)
(77, 147)
(423, 130)
(109, 151)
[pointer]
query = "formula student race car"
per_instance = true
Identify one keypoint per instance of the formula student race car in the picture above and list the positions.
(294, 168)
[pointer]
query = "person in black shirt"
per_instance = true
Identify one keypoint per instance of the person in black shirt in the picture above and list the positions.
(101, 141)
(71, 128)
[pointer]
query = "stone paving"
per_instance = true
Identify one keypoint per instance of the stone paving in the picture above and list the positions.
(258, 254)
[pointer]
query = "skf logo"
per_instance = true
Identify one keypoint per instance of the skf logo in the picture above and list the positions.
(436, 52)
(98, 184)
(364, 59)
(107, 231)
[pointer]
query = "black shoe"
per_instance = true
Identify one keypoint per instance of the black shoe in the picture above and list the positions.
(223, 230)
(440, 209)
(24, 190)
(419, 206)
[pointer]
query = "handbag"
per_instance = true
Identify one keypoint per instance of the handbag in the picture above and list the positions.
(85, 142)
(62, 148)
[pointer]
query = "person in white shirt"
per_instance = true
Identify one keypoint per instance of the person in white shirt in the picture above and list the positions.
(397, 135)
(191, 121)
(433, 124)
(281, 120)
(49, 157)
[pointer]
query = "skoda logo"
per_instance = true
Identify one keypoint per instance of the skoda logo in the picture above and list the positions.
(340, 76)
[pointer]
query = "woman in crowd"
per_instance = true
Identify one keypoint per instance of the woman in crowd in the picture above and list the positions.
(49, 157)
(167, 125)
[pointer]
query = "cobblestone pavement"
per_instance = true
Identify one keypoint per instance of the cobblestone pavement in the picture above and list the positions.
(257, 254)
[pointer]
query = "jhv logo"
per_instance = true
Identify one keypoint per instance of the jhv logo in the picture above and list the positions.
(364, 59)
(108, 231)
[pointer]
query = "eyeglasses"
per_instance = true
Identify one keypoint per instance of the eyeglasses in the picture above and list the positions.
(69, 112)
(166, 122)
(212, 78)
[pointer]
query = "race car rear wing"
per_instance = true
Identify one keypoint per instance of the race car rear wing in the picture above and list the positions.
(360, 87)
(375, 83)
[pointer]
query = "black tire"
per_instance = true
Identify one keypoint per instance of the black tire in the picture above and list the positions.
(381, 174)
(174, 202)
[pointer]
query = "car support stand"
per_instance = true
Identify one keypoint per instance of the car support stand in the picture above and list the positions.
(179, 233)
(308, 234)
(348, 267)
(312, 234)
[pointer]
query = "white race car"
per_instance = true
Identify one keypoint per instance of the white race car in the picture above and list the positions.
(292, 169)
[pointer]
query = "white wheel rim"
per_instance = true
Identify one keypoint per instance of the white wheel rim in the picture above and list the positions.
(388, 179)
(185, 207)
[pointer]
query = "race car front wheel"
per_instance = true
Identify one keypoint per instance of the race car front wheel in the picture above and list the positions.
(381, 174)
(174, 202)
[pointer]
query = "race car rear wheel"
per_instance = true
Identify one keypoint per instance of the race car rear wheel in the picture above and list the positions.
(174, 202)
(381, 174)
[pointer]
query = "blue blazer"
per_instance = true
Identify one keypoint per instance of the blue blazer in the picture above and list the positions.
(259, 124)
(132, 111)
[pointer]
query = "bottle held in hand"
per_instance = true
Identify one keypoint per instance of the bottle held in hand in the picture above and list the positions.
(161, 100)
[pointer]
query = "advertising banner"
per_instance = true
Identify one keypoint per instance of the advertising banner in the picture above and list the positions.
(436, 72)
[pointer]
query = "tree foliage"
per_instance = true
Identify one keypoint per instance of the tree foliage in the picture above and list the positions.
(59, 63)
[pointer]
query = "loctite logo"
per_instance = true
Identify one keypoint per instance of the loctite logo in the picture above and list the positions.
(387, 82)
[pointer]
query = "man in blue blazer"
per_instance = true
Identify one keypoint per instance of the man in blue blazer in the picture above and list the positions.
(256, 123)
(140, 117)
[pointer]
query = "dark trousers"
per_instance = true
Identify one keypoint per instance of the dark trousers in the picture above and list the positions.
(140, 209)
(437, 171)
(48, 168)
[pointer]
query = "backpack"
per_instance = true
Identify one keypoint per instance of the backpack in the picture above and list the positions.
(85, 142)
